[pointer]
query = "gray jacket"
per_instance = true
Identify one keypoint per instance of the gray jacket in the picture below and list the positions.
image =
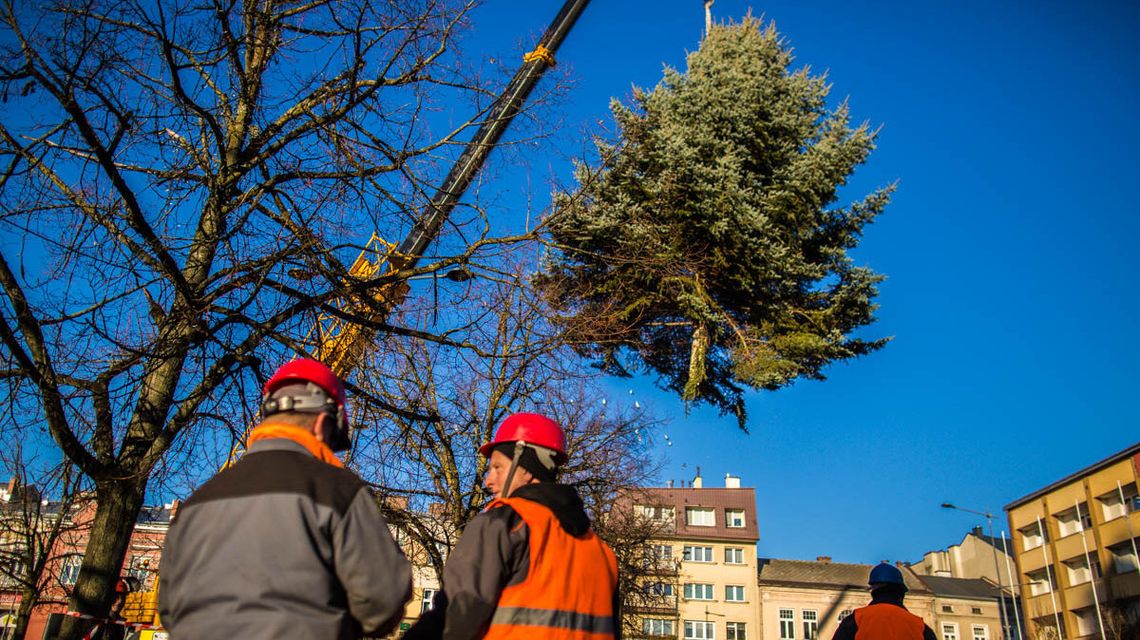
(281, 545)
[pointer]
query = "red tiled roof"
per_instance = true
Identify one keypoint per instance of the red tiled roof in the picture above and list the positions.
(719, 499)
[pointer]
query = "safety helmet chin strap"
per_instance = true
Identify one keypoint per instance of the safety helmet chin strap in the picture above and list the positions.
(505, 492)
(545, 458)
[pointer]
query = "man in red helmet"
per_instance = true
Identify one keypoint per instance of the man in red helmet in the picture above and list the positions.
(529, 566)
(286, 543)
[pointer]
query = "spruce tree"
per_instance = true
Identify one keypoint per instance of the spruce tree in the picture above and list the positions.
(706, 245)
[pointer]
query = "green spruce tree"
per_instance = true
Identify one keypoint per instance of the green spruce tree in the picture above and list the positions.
(707, 246)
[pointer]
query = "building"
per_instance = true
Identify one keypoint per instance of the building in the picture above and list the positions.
(965, 609)
(700, 580)
(979, 556)
(1075, 541)
(806, 600)
(66, 555)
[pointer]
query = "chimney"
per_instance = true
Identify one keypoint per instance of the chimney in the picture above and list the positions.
(823, 559)
(173, 506)
(669, 484)
(731, 481)
(697, 482)
(977, 531)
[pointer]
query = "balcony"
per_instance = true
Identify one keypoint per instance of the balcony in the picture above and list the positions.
(1116, 530)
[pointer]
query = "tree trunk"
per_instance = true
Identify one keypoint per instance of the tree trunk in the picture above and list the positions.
(29, 597)
(119, 503)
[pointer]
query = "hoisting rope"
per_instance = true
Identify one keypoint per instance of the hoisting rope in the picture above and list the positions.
(540, 53)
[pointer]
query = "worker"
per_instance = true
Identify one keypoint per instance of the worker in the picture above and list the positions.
(528, 566)
(885, 618)
(286, 543)
(114, 627)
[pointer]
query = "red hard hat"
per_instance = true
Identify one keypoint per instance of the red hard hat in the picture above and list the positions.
(315, 372)
(531, 428)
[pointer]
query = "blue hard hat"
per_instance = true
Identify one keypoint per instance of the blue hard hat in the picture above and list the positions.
(885, 573)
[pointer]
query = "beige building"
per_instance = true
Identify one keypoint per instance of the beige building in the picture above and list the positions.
(1076, 547)
(805, 600)
(977, 556)
(703, 586)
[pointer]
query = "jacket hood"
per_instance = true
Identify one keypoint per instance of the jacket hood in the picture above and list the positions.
(562, 500)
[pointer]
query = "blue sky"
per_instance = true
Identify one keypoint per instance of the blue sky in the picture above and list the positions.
(1012, 130)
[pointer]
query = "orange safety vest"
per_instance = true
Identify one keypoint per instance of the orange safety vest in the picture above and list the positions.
(885, 621)
(568, 593)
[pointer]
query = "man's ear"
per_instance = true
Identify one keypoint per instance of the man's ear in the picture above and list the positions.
(319, 428)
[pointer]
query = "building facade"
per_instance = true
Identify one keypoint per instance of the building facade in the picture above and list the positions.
(699, 578)
(1076, 547)
(806, 600)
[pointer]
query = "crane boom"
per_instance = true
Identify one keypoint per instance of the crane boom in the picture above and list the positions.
(342, 343)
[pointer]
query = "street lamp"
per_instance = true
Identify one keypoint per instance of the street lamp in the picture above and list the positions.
(997, 568)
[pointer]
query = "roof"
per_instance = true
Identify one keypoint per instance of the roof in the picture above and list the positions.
(833, 575)
(718, 498)
(1096, 466)
(974, 588)
(159, 515)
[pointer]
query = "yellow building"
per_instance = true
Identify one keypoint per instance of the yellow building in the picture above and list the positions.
(703, 583)
(1076, 547)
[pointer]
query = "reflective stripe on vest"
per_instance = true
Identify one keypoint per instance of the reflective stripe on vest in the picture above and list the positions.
(569, 587)
(555, 619)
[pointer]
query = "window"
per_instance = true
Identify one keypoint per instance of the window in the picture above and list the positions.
(698, 554)
(843, 614)
(1086, 621)
(1123, 557)
(734, 518)
(658, 556)
(699, 630)
(947, 609)
(733, 555)
(427, 602)
(734, 593)
(1040, 582)
(1031, 537)
(698, 591)
(664, 515)
(811, 624)
(659, 589)
(976, 611)
(980, 632)
(734, 631)
(787, 624)
(659, 627)
(1082, 569)
(1070, 521)
(69, 571)
(949, 631)
(1114, 506)
(700, 517)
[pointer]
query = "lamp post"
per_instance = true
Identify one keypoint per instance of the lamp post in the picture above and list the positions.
(997, 568)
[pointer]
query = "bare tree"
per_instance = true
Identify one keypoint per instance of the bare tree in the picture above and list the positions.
(425, 462)
(184, 185)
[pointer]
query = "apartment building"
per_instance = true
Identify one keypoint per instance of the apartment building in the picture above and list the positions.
(700, 581)
(1075, 541)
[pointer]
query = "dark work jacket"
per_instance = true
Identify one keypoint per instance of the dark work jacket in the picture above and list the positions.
(281, 545)
(494, 553)
(883, 606)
